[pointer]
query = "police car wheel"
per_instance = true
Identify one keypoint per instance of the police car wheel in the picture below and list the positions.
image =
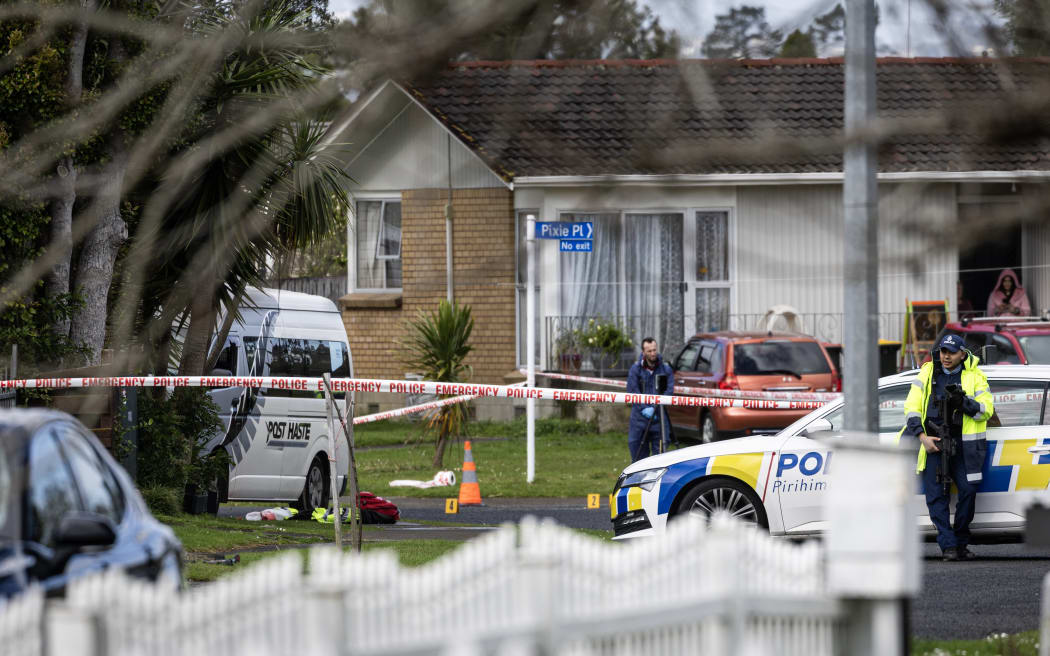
(315, 489)
(708, 431)
(725, 495)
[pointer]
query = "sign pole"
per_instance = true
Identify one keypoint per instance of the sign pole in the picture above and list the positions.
(530, 347)
(330, 409)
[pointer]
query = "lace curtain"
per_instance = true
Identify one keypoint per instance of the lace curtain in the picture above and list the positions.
(654, 274)
(589, 281)
(712, 265)
(634, 275)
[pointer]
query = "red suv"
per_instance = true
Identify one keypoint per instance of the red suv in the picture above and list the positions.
(1005, 340)
(781, 362)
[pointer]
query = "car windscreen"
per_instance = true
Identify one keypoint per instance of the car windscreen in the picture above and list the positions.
(1036, 348)
(777, 357)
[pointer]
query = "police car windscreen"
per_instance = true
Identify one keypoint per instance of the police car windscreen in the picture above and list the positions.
(777, 357)
(1036, 348)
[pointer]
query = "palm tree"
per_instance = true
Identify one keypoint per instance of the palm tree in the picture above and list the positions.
(437, 344)
(254, 178)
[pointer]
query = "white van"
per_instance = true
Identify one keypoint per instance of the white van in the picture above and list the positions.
(278, 439)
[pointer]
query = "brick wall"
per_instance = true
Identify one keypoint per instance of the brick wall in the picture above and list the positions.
(483, 277)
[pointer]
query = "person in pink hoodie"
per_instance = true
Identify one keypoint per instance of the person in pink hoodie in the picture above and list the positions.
(1008, 298)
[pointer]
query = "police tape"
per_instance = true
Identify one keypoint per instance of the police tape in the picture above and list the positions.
(422, 407)
(412, 409)
(772, 395)
(408, 387)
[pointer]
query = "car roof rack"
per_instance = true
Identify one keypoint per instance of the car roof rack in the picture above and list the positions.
(1002, 321)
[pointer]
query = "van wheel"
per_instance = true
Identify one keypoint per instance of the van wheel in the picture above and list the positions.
(315, 490)
(708, 431)
(724, 495)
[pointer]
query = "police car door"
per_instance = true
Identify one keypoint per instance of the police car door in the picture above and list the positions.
(1017, 466)
(799, 478)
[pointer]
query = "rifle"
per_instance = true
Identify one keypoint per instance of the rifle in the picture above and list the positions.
(951, 415)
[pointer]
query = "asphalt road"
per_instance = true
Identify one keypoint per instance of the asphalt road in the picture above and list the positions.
(998, 593)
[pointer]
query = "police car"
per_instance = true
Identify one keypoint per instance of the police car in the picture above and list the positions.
(779, 481)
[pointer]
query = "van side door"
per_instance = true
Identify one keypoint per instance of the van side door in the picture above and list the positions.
(256, 456)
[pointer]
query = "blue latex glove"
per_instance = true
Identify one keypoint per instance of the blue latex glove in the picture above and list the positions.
(647, 412)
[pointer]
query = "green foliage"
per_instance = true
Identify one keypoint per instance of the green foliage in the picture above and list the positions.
(1025, 643)
(438, 342)
(1027, 25)
(798, 45)
(162, 500)
(28, 320)
(437, 345)
(544, 427)
(171, 430)
(560, 29)
(829, 31)
(567, 342)
(296, 185)
(605, 336)
(742, 33)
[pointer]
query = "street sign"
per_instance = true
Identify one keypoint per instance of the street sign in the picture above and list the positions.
(564, 230)
(576, 245)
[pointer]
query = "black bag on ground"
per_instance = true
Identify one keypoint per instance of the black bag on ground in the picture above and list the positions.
(376, 510)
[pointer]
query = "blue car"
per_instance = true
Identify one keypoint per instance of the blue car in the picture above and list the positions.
(67, 509)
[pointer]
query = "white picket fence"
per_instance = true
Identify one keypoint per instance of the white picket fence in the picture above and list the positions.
(527, 589)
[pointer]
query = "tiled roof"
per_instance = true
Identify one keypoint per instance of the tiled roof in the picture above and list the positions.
(755, 116)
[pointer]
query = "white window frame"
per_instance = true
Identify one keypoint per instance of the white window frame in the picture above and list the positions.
(689, 262)
(688, 215)
(379, 238)
(351, 241)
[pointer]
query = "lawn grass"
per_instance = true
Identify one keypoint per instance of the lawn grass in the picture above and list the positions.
(205, 534)
(572, 460)
(999, 644)
(402, 432)
(411, 553)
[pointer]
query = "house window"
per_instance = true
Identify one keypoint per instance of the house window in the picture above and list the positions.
(712, 271)
(633, 275)
(377, 235)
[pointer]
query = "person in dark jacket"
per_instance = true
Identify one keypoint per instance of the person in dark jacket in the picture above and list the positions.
(643, 437)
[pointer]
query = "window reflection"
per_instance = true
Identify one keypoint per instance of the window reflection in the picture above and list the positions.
(52, 492)
(97, 487)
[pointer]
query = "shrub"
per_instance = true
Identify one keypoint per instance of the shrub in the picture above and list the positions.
(162, 500)
(437, 345)
(171, 428)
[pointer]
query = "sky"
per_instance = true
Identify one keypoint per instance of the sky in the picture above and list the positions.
(907, 28)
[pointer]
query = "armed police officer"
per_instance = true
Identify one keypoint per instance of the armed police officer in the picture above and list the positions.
(650, 375)
(947, 408)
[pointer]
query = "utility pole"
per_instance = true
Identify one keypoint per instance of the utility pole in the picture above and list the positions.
(860, 200)
(878, 614)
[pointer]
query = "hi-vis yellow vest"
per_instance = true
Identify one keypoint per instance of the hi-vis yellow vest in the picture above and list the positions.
(975, 385)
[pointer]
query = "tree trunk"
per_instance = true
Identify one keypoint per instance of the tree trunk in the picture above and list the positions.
(198, 334)
(62, 234)
(98, 255)
(439, 452)
(65, 184)
(224, 332)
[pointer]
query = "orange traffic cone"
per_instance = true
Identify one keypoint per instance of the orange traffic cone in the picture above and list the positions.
(469, 492)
